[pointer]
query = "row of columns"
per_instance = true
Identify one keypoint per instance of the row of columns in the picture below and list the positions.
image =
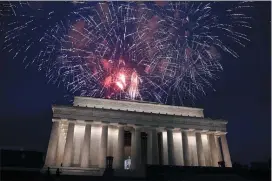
(95, 146)
(198, 148)
(189, 148)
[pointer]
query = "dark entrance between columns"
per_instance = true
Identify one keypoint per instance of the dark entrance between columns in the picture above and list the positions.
(127, 135)
(160, 147)
(221, 162)
(143, 148)
(127, 144)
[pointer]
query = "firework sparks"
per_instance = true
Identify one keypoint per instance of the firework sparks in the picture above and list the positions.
(134, 84)
(129, 50)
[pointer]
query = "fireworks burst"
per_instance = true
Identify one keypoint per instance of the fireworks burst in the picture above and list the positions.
(129, 50)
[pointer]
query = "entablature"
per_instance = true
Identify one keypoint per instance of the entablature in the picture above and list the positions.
(133, 106)
(146, 119)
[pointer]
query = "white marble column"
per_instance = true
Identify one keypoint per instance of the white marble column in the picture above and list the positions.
(164, 148)
(225, 150)
(186, 149)
(218, 149)
(193, 148)
(78, 143)
(61, 143)
(111, 137)
(103, 146)
(60, 149)
(135, 148)
(95, 145)
(112, 148)
(206, 149)
(171, 154)
(120, 148)
(178, 150)
(50, 159)
(200, 149)
(152, 147)
(214, 152)
(68, 150)
(85, 152)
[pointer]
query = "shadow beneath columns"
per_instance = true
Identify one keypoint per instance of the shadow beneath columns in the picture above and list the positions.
(179, 173)
(154, 173)
(108, 173)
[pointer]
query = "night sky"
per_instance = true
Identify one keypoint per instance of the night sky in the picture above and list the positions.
(242, 97)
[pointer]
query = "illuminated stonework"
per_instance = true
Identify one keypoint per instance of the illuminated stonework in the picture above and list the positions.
(84, 134)
(137, 107)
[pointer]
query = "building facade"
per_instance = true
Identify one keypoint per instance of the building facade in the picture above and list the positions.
(135, 134)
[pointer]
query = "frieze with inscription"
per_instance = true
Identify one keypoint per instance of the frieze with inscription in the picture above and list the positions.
(145, 119)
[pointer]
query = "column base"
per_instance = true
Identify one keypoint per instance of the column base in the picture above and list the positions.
(140, 173)
(75, 171)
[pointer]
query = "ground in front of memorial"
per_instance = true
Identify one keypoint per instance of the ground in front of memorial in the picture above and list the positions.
(154, 173)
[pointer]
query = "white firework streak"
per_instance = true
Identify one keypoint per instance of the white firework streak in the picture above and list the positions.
(172, 49)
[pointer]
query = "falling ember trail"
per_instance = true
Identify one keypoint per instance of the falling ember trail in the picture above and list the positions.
(134, 85)
(121, 81)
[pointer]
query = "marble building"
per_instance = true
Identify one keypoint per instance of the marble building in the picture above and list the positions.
(84, 134)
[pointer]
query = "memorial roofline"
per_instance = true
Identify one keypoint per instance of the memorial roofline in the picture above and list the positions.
(141, 102)
(134, 112)
(137, 106)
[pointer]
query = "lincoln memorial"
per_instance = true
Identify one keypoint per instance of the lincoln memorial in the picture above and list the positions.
(134, 134)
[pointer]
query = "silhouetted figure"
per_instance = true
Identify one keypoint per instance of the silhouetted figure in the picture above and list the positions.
(48, 174)
(108, 173)
(61, 168)
(109, 161)
(48, 171)
(58, 172)
(221, 164)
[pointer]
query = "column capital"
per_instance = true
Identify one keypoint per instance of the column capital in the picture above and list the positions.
(187, 130)
(169, 128)
(71, 122)
(64, 120)
(137, 126)
(70, 119)
(161, 129)
(220, 133)
(56, 119)
(88, 122)
(201, 131)
(78, 121)
(105, 123)
(88, 125)
(96, 122)
(177, 129)
(211, 132)
(217, 133)
(121, 125)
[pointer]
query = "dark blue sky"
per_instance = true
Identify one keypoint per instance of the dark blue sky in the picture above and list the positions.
(243, 97)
